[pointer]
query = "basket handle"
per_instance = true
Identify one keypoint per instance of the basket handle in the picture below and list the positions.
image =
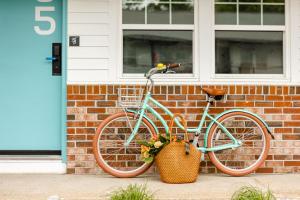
(186, 137)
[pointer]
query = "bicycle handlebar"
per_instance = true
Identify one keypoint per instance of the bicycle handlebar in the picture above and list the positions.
(175, 65)
(161, 68)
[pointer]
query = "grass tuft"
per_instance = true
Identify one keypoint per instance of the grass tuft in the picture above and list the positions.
(252, 193)
(132, 192)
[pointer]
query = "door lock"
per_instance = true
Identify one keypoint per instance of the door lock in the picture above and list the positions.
(56, 59)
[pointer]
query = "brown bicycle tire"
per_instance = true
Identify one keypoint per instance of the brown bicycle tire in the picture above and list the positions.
(215, 161)
(101, 163)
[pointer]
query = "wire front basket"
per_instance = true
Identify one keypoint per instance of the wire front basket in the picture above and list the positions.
(130, 97)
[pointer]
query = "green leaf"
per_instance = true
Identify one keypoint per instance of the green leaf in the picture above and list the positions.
(148, 160)
(145, 143)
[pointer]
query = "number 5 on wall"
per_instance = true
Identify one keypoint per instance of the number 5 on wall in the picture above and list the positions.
(40, 18)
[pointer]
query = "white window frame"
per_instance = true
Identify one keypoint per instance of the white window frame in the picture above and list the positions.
(286, 76)
(192, 78)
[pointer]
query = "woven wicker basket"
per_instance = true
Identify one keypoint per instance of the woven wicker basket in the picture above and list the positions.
(174, 164)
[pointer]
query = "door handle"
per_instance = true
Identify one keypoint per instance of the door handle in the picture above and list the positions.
(50, 58)
(56, 59)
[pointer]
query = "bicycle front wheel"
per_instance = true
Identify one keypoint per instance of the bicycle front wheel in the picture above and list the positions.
(254, 139)
(108, 145)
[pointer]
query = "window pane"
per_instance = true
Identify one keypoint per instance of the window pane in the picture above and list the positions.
(183, 13)
(251, 1)
(225, 0)
(246, 52)
(273, 1)
(274, 15)
(133, 13)
(143, 49)
(158, 14)
(250, 14)
(225, 14)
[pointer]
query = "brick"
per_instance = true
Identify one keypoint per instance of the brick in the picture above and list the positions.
(83, 144)
(244, 104)
(272, 110)
(70, 130)
(292, 123)
(95, 97)
(85, 103)
(282, 104)
(236, 97)
(283, 130)
(75, 89)
(85, 130)
(291, 163)
(75, 97)
(70, 117)
(255, 97)
(82, 90)
(278, 105)
(196, 97)
(274, 98)
(75, 124)
(184, 104)
(69, 89)
(170, 90)
(95, 110)
(291, 110)
(263, 104)
(76, 137)
(291, 137)
(176, 97)
(70, 103)
(295, 117)
(106, 103)
(264, 170)
(283, 157)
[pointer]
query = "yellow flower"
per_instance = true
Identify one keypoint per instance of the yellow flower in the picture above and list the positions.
(146, 154)
(144, 148)
(157, 144)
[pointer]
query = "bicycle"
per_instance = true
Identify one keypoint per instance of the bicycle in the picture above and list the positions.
(237, 141)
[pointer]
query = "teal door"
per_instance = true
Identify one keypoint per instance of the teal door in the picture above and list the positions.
(30, 98)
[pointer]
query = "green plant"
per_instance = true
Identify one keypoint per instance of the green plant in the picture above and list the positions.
(149, 149)
(132, 192)
(252, 193)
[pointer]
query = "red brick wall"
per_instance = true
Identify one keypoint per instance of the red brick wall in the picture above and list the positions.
(278, 105)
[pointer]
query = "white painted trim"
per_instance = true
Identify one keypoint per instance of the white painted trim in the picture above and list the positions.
(285, 77)
(182, 77)
(32, 166)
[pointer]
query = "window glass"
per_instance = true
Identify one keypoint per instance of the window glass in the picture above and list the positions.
(143, 49)
(158, 14)
(225, 14)
(274, 15)
(249, 52)
(250, 12)
(249, 15)
(183, 13)
(133, 13)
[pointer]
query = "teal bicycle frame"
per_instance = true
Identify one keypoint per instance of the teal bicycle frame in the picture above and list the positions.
(146, 107)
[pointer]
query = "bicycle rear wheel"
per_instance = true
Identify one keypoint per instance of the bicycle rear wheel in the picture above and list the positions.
(108, 145)
(254, 138)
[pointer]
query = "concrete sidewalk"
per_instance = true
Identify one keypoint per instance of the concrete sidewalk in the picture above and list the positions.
(92, 187)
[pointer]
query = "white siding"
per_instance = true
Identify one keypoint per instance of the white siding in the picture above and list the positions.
(295, 42)
(90, 62)
(99, 59)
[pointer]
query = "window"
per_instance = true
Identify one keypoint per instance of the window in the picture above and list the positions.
(157, 31)
(249, 36)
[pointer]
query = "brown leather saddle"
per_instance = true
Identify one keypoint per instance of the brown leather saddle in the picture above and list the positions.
(217, 94)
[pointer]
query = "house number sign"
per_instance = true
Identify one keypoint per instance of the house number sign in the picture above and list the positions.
(40, 17)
